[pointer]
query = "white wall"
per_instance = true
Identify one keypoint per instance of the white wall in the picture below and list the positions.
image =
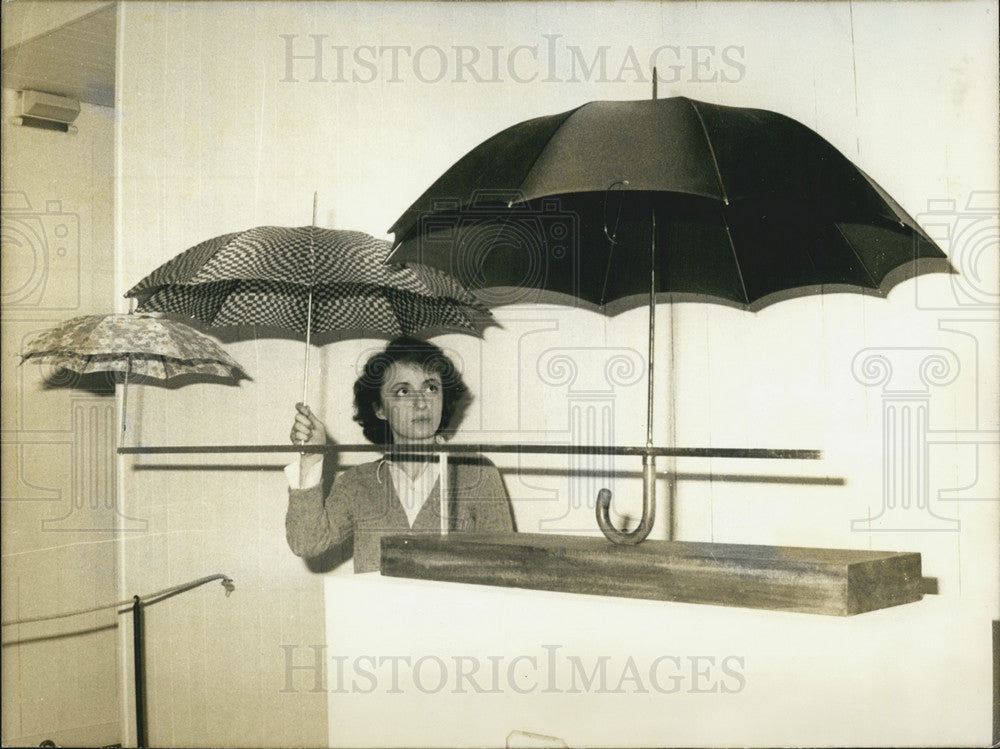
(59, 506)
(214, 140)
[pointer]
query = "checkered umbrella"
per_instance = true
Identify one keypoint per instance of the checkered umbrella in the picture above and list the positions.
(130, 344)
(308, 280)
(263, 277)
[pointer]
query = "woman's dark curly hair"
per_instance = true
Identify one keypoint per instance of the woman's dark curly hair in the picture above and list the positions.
(367, 389)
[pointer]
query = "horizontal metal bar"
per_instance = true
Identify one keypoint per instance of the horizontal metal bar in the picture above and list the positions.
(486, 447)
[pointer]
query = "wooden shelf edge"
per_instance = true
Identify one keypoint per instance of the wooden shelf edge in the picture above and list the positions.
(836, 582)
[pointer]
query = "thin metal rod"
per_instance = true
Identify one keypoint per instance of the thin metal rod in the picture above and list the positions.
(443, 491)
(486, 447)
(173, 590)
(138, 655)
(128, 366)
(652, 331)
(305, 369)
(309, 311)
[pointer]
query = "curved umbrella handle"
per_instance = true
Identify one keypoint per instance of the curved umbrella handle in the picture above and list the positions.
(638, 535)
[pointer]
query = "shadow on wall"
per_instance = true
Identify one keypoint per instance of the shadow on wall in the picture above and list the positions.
(58, 635)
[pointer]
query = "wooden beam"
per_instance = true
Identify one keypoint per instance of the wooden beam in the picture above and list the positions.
(839, 582)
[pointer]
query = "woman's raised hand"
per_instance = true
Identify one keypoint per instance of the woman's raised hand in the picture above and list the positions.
(307, 429)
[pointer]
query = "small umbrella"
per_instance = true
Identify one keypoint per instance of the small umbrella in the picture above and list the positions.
(701, 201)
(132, 344)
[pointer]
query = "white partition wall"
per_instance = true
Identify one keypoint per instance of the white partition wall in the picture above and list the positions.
(468, 665)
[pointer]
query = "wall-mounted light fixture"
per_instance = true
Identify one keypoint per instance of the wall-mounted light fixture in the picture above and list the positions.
(46, 111)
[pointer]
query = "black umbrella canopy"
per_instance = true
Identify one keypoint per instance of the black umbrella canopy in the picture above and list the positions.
(677, 196)
(746, 204)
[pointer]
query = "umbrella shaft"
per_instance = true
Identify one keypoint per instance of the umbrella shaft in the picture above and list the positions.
(128, 366)
(443, 491)
(652, 332)
(305, 368)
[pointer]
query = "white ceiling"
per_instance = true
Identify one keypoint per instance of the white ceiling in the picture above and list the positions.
(76, 59)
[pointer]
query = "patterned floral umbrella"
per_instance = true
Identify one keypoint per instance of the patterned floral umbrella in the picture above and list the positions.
(131, 344)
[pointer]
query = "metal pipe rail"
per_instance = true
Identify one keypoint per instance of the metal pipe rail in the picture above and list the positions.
(649, 453)
(485, 447)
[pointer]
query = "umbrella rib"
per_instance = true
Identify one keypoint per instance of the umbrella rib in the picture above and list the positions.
(864, 267)
(548, 140)
(736, 259)
(607, 273)
(900, 216)
(711, 150)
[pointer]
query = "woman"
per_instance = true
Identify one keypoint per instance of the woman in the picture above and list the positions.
(407, 395)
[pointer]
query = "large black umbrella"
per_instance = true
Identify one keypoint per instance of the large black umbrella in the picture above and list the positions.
(618, 198)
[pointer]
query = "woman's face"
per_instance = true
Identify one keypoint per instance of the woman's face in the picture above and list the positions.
(411, 400)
